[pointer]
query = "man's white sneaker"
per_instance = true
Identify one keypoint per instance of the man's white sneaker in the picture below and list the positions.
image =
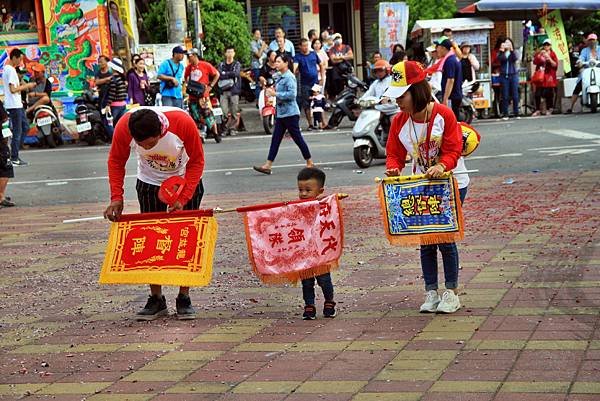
(449, 303)
(432, 299)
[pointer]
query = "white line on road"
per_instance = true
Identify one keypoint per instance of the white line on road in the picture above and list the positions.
(594, 144)
(569, 133)
(494, 156)
(221, 170)
(227, 139)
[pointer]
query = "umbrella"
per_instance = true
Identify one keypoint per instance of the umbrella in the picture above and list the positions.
(506, 10)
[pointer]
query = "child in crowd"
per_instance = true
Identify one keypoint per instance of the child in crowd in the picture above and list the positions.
(311, 184)
(317, 106)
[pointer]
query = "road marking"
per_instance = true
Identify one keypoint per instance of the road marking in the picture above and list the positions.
(562, 152)
(494, 156)
(221, 170)
(588, 145)
(569, 133)
(56, 183)
(225, 140)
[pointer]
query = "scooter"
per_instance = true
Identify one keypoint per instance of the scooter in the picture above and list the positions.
(590, 84)
(368, 134)
(345, 104)
(48, 124)
(90, 126)
(266, 108)
(467, 107)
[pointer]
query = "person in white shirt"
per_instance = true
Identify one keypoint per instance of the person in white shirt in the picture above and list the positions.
(289, 46)
(382, 82)
(13, 102)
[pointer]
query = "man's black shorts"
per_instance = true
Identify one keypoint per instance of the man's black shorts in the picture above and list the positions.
(149, 202)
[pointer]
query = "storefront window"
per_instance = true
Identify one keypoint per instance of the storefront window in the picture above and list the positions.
(18, 23)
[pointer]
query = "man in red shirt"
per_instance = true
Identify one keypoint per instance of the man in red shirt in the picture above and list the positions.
(167, 144)
(202, 72)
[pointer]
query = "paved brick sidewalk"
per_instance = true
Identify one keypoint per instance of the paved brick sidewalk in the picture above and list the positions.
(529, 328)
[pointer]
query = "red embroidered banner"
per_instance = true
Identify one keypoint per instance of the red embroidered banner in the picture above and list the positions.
(296, 240)
(161, 248)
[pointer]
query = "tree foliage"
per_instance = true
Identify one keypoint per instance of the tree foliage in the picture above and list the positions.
(155, 21)
(225, 24)
(422, 10)
(586, 25)
(429, 9)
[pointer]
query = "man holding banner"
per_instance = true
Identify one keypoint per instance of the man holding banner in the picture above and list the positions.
(429, 131)
(167, 145)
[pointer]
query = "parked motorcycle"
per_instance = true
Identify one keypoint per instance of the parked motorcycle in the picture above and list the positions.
(47, 122)
(266, 107)
(345, 104)
(467, 106)
(89, 119)
(368, 134)
(205, 120)
(590, 84)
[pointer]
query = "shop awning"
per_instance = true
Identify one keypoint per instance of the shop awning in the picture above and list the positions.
(456, 24)
(528, 9)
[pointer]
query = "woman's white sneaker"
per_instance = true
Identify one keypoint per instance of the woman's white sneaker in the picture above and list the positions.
(432, 299)
(449, 303)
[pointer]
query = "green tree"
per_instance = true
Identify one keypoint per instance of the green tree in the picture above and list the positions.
(224, 23)
(588, 24)
(429, 9)
(422, 10)
(155, 21)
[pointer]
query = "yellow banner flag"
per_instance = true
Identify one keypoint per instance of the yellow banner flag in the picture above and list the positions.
(553, 25)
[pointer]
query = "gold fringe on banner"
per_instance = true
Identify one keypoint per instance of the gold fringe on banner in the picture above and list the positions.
(411, 239)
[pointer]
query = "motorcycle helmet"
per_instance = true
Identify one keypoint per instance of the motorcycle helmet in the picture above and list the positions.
(471, 139)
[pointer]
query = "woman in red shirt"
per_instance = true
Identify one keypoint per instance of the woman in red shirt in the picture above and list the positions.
(428, 131)
(546, 60)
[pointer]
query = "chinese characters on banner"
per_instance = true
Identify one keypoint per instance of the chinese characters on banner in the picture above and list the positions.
(553, 24)
(161, 248)
(420, 211)
(295, 241)
(393, 26)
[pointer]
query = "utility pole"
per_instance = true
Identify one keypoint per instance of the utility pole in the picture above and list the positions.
(177, 20)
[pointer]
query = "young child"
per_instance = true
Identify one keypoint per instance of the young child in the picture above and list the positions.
(311, 184)
(317, 106)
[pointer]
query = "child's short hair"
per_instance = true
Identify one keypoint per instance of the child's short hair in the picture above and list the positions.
(308, 173)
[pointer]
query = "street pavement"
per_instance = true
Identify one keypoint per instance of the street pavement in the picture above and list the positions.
(529, 328)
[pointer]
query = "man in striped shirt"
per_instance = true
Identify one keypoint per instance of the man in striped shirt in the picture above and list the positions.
(167, 144)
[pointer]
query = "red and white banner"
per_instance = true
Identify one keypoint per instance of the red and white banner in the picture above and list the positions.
(291, 241)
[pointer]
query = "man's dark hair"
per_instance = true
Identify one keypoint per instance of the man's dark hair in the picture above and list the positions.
(229, 47)
(15, 53)
(421, 95)
(254, 30)
(104, 57)
(311, 33)
(446, 30)
(144, 124)
(309, 173)
(303, 41)
(284, 57)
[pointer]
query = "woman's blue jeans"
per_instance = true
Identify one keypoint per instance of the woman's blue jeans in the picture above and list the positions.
(510, 91)
(429, 263)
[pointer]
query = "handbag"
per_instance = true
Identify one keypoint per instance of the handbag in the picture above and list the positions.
(538, 77)
(169, 84)
(195, 89)
(226, 84)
